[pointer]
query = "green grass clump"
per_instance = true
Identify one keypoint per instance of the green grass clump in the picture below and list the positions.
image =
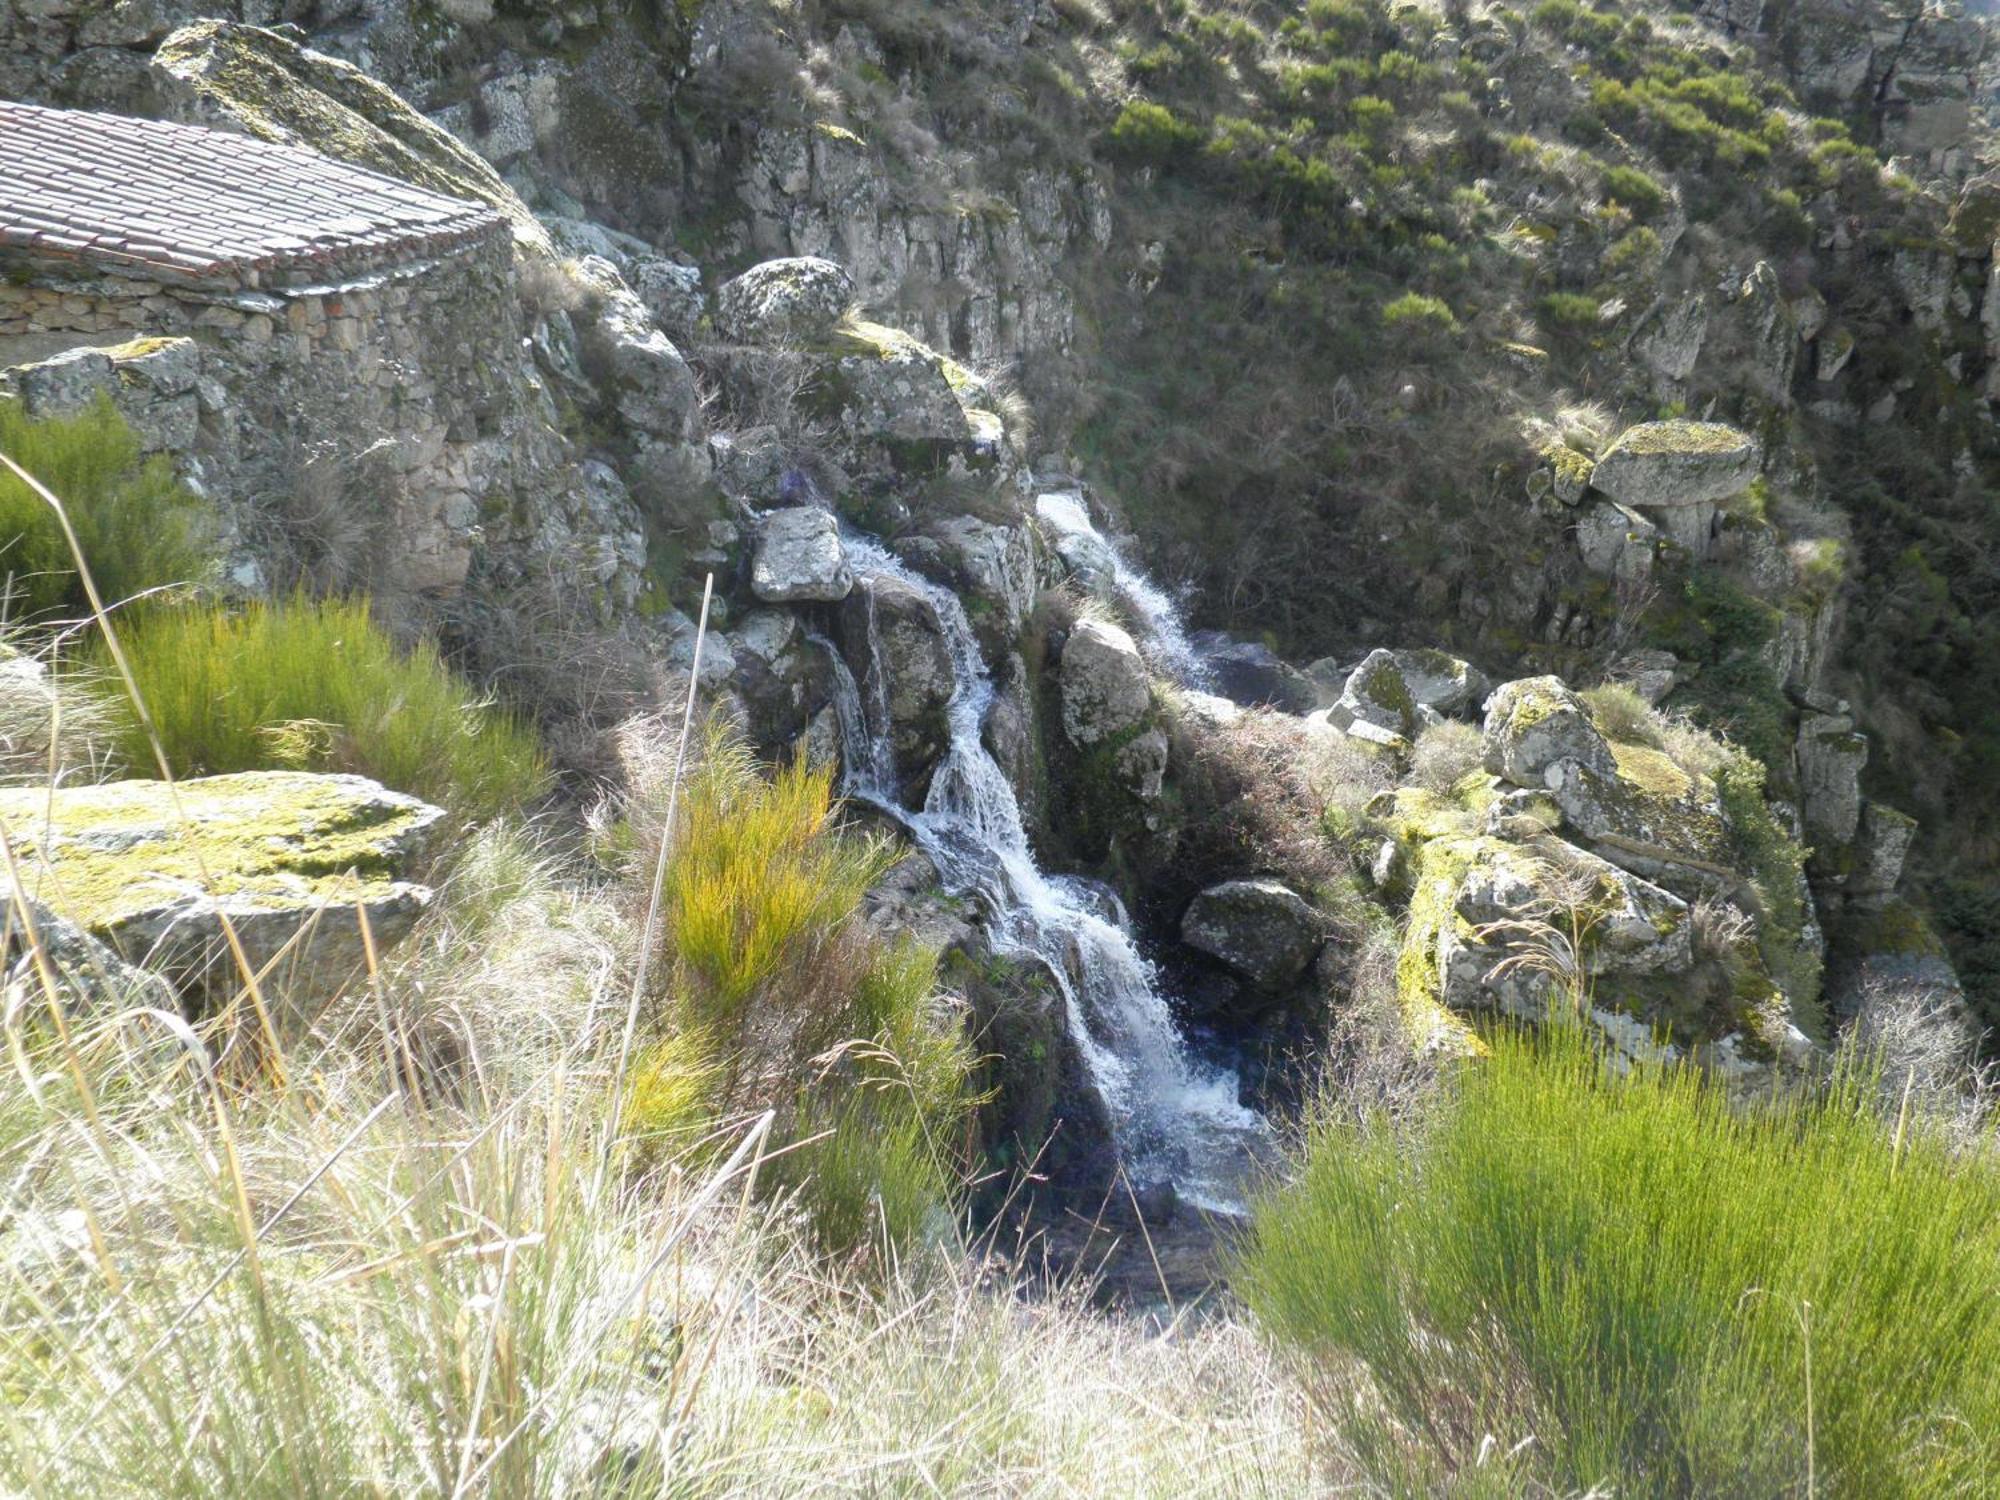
(1638, 191)
(1670, 1294)
(1416, 310)
(779, 997)
(137, 525)
(316, 684)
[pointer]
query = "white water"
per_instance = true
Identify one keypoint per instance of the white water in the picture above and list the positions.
(1172, 1118)
(1163, 637)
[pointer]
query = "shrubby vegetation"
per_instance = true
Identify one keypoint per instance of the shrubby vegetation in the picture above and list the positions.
(138, 526)
(317, 684)
(1574, 1277)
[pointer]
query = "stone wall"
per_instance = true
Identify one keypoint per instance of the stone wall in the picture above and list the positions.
(401, 399)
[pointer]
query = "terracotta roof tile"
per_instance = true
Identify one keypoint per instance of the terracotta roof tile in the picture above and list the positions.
(150, 196)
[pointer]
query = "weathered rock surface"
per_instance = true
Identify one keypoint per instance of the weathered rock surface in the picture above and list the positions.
(1376, 693)
(286, 856)
(1534, 722)
(796, 301)
(1262, 929)
(1831, 757)
(1252, 675)
(149, 381)
(885, 619)
(799, 558)
(1645, 813)
(1442, 682)
(1667, 464)
(1106, 689)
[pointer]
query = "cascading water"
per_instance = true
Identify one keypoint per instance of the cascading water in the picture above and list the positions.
(1163, 638)
(1174, 1120)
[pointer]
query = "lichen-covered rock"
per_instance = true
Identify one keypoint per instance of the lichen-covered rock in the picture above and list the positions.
(1568, 472)
(1616, 542)
(800, 559)
(1534, 722)
(1375, 693)
(1668, 342)
(1881, 843)
(1646, 814)
(627, 354)
(796, 301)
(1666, 464)
(886, 387)
(87, 975)
(1107, 691)
(1443, 683)
(283, 854)
(262, 84)
(1262, 929)
(992, 567)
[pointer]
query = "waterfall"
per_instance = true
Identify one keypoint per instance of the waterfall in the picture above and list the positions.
(1173, 1119)
(1163, 638)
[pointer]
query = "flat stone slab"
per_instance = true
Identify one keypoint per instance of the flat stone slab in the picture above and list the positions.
(1666, 464)
(284, 854)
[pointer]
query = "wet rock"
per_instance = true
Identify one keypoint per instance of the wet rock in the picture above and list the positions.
(1261, 929)
(283, 854)
(1107, 691)
(896, 648)
(800, 559)
(1534, 722)
(782, 677)
(796, 301)
(1667, 464)
(1251, 675)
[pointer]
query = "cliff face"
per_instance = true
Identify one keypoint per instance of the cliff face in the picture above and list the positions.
(1343, 308)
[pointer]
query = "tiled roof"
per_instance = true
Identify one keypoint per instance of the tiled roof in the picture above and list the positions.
(154, 199)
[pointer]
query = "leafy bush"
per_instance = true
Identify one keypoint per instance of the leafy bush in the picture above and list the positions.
(137, 525)
(318, 685)
(1670, 1294)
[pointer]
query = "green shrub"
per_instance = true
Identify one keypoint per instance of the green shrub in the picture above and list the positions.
(1569, 312)
(137, 525)
(318, 685)
(1415, 310)
(1624, 716)
(1631, 1278)
(1152, 134)
(1634, 254)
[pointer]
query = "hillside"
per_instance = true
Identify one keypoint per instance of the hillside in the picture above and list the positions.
(1044, 747)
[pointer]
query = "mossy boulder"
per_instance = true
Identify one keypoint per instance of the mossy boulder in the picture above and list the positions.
(1441, 682)
(1534, 722)
(1376, 693)
(289, 857)
(1660, 465)
(1647, 814)
(262, 84)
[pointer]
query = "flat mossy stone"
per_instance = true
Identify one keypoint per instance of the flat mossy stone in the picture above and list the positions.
(151, 868)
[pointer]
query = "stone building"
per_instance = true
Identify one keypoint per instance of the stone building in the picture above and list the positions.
(278, 320)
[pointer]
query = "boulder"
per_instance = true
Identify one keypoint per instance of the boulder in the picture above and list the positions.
(260, 83)
(796, 301)
(1660, 465)
(1261, 929)
(672, 294)
(1251, 675)
(1107, 691)
(992, 568)
(800, 559)
(151, 382)
(87, 975)
(1646, 814)
(886, 387)
(1651, 673)
(286, 856)
(1534, 722)
(1881, 843)
(1376, 693)
(1441, 682)
(633, 362)
(782, 676)
(1616, 542)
